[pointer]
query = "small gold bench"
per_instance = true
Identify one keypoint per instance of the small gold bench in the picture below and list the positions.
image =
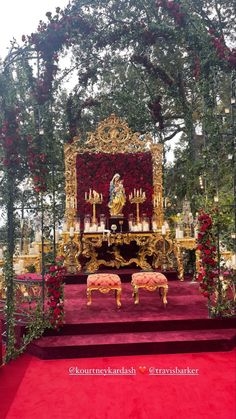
(104, 283)
(150, 281)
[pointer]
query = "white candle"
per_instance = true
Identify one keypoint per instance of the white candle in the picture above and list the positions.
(177, 233)
(37, 236)
(77, 227)
(56, 236)
(145, 226)
(86, 226)
(233, 261)
(36, 249)
(181, 234)
(154, 226)
(1, 254)
(163, 230)
(86, 196)
(93, 228)
(21, 264)
(140, 227)
(64, 227)
(72, 230)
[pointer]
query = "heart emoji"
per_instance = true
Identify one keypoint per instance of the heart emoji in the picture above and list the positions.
(142, 369)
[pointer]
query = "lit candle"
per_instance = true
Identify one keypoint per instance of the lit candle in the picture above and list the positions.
(137, 192)
(86, 196)
(134, 192)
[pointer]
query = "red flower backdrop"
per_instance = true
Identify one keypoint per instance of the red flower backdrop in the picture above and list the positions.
(208, 274)
(95, 171)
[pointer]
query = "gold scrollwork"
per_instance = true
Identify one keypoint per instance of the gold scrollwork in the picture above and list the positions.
(70, 248)
(92, 242)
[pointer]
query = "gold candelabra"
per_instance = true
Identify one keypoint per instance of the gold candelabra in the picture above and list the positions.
(137, 197)
(93, 198)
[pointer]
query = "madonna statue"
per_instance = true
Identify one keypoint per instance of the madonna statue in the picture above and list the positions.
(117, 196)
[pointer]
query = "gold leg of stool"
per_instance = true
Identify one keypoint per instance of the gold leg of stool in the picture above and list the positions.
(89, 297)
(136, 295)
(165, 290)
(118, 297)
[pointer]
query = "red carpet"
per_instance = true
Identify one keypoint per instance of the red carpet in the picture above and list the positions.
(146, 328)
(48, 391)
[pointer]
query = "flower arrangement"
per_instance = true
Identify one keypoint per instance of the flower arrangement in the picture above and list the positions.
(55, 292)
(207, 275)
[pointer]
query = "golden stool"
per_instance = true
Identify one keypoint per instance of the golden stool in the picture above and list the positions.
(104, 283)
(149, 281)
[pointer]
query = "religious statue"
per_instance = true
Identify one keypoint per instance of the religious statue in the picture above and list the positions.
(117, 196)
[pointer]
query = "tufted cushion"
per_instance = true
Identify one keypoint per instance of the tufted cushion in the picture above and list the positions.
(149, 278)
(100, 280)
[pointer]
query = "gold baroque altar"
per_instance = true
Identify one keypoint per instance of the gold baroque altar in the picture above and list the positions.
(154, 247)
(154, 251)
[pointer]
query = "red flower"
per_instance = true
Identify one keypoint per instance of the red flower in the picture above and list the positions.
(207, 255)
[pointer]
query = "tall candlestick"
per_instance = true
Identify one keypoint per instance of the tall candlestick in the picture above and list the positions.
(137, 199)
(94, 199)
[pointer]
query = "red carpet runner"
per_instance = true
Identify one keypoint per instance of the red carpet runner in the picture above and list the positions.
(45, 389)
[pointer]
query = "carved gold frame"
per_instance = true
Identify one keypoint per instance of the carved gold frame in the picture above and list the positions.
(112, 135)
